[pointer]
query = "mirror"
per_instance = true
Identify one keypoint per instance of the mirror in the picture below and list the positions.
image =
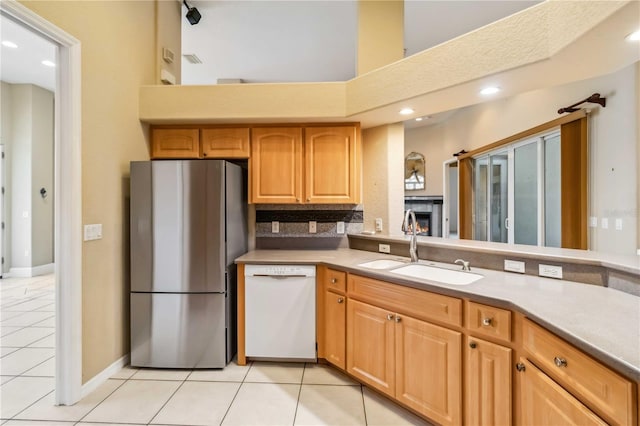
(414, 172)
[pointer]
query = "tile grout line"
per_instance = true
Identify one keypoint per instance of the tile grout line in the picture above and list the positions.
(169, 399)
(103, 399)
(364, 406)
(295, 414)
(237, 392)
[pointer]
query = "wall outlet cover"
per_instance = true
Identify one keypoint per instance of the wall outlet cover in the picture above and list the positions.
(340, 228)
(378, 224)
(604, 223)
(550, 271)
(593, 222)
(313, 227)
(275, 227)
(384, 248)
(618, 224)
(514, 266)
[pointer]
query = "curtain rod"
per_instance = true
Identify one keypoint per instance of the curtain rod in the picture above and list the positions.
(593, 99)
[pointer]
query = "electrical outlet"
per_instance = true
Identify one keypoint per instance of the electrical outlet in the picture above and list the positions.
(550, 271)
(275, 227)
(618, 224)
(593, 222)
(340, 228)
(378, 224)
(313, 227)
(514, 266)
(604, 223)
(384, 248)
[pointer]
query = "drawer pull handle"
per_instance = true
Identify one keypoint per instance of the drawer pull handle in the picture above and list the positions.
(340, 299)
(334, 280)
(560, 362)
(520, 367)
(473, 345)
(389, 317)
(398, 318)
(487, 321)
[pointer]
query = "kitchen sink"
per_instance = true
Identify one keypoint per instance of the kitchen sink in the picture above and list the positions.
(446, 276)
(382, 264)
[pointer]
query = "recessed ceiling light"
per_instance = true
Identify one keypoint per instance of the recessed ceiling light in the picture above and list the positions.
(10, 44)
(489, 90)
(406, 111)
(48, 63)
(419, 119)
(635, 36)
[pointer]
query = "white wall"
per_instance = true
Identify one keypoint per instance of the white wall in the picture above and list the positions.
(613, 145)
(27, 134)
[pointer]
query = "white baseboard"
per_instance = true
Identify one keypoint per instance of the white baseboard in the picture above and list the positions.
(31, 272)
(104, 375)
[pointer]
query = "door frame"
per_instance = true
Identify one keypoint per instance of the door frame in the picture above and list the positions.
(67, 203)
(447, 197)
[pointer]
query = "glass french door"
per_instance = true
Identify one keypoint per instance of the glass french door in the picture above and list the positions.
(517, 193)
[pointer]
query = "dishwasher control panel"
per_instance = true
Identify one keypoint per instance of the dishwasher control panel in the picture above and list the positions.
(280, 270)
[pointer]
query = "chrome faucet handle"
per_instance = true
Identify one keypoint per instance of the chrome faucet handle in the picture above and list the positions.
(464, 263)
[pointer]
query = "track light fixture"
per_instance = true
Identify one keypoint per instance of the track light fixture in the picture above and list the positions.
(193, 16)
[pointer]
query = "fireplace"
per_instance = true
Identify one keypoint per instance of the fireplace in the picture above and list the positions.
(428, 210)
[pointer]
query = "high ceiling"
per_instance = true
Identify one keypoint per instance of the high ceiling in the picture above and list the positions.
(307, 40)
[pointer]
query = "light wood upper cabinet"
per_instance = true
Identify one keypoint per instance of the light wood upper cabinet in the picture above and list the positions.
(324, 167)
(175, 143)
(275, 165)
(487, 383)
(332, 169)
(223, 142)
(371, 345)
(429, 370)
(545, 403)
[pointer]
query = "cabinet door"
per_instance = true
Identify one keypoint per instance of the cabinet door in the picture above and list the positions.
(544, 402)
(370, 345)
(175, 143)
(428, 369)
(335, 326)
(275, 165)
(225, 142)
(487, 383)
(332, 165)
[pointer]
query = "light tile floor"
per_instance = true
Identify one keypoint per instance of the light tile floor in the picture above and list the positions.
(261, 393)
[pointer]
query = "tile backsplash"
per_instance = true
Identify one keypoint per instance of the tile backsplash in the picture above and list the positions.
(294, 225)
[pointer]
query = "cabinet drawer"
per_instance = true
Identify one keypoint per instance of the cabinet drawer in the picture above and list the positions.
(489, 321)
(336, 281)
(417, 303)
(175, 143)
(606, 392)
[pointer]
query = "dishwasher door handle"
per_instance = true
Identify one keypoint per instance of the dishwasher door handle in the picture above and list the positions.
(278, 276)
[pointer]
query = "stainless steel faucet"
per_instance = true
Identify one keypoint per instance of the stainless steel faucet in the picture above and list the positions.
(413, 245)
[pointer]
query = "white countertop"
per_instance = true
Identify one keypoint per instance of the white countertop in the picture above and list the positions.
(601, 321)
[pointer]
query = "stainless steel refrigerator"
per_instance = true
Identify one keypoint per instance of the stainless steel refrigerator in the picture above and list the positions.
(188, 224)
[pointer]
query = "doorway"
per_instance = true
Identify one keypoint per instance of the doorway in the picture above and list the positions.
(67, 203)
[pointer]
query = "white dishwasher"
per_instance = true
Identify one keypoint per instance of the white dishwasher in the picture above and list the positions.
(280, 312)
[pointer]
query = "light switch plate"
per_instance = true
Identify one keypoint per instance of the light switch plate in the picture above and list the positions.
(93, 232)
(340, 228)
(550, 271)
(514, 266)
(604, 223)
(378, 224)
(275, 227)
(313, 227)
(593, 222)
(619, 224)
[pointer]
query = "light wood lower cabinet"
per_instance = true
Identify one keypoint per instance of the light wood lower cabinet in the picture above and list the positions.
(487, 383)
(428, 369)
(371, 345)
(416, 362)
(545, 403)
(335, 317)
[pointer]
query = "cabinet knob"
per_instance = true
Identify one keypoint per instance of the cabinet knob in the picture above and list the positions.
(487, 321)
(297, 200)
(204, 154)
(334, 280)
(340, 299)
(308, 200)
(473, 345)
(520, 366)
(398, 318)
(560, 362)
(389, 317)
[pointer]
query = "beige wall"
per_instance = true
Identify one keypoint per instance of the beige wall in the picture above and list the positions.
(169, 35)
(613, 145)
(6, 127)
(119, 55)
(383, 182)
(380, 33)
